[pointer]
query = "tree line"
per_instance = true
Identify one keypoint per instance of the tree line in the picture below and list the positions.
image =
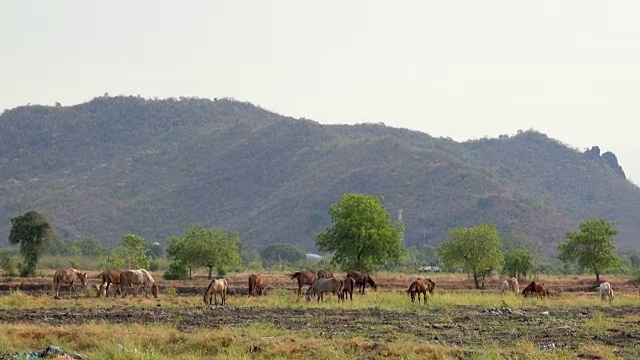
(362, 236)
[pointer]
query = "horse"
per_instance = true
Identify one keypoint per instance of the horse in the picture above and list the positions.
(14, 286)
(536, 288)
(138, 277)
(420, 286)
(304, 278)
(348, 284)
(325, 274)
(255, 285)
(109, 277)
(510, 284)
(606, 292)
(68, 276)
(362, 279)
(324, 285)
(217, 286)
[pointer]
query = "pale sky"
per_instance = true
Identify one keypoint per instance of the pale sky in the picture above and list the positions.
(462, 69)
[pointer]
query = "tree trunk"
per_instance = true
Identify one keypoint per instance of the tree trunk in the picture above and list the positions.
(475, 279)
(189, 272)
(597, 278)
(210, 271)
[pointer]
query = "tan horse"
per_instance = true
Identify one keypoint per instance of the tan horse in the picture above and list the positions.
(14, 286)
(606, 292)
(510, 284)
(217, 286)
(421, 287)
(322, 285)
(68, 276)
(107, 278)
(304, 278)
(362, 279)
(138, 277)
(256, 287)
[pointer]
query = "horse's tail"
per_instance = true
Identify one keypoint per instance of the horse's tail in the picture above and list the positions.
(250, 287)
(295, 275)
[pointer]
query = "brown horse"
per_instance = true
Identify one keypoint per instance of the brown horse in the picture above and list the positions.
(15, 286)
(421, 287)
(362, 279)
(326, 274)
(536, 288)
(255, 285)
(138, 277)
(217, 286)
(109, 277)
(68, 276)
(348, 284)
(304, 278)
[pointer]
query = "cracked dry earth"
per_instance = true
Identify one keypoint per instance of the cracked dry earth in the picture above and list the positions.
(461, 325)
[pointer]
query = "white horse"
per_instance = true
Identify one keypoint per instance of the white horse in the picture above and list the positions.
(138, 277)
(510, 284)
(606, 292)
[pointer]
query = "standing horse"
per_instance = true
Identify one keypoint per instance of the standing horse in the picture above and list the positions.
(217, 286)
(536, 288)
(255, 285)
(348, 285)
(68, 276)
(325, 274)
(606, 292)
(138, 277)
(304, 278)
(510, 284)
(109, 277)
(362, 279)
(421, 287)
(324, 285)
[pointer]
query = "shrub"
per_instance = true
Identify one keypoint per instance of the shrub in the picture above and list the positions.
(176, 271)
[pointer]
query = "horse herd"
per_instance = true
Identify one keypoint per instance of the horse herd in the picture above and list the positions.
(320, 282)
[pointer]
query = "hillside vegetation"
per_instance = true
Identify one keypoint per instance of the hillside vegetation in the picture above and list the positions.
(117, 165)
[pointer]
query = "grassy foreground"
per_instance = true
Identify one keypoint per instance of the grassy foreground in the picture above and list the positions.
(455, 313)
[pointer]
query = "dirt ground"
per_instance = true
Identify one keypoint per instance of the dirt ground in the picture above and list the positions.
(460, 326)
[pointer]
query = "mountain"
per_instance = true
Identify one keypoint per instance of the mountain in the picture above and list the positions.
(117, 165)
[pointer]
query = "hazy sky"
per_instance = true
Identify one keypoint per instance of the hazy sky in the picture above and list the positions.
(463, 69)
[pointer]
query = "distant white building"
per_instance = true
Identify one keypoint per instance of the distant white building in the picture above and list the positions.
(315, 257)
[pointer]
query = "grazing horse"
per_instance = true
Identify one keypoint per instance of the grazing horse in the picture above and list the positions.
(362, 279)
(324, 285)
(255, 285)
(421, 287)
(217, 286)
(348, 284)
(15, 286)
(536, 288)
(68, 276)
(325, 274)
(138, 277)
(606, 292)
(511, 284)
(304, 278)
(109, 277)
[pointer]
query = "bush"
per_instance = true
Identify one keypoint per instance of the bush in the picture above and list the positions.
(176, 271)
(8, 263)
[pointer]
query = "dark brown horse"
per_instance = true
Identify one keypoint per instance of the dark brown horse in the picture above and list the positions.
(362, 279)
(348, 284)
(109, 277)
(304, 278)
(420, 286)
(536, 288)
(255, 285)
(326, 274)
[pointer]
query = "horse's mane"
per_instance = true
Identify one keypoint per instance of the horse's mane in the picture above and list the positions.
(295, 275)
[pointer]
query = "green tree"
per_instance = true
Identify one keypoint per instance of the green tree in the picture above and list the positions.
(282, 253)
(591, 246)
(35, 233)
(132, 255)
(476, 250)
(7, 262)
(201, 247)
(91, 247)
(519, 240)
(363, 236)
(517, 263)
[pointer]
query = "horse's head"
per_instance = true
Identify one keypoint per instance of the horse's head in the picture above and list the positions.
(372, 283)
(307, 297)
(154, 290)
(83, 278)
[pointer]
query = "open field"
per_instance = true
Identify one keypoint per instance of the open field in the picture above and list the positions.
(457, 323)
